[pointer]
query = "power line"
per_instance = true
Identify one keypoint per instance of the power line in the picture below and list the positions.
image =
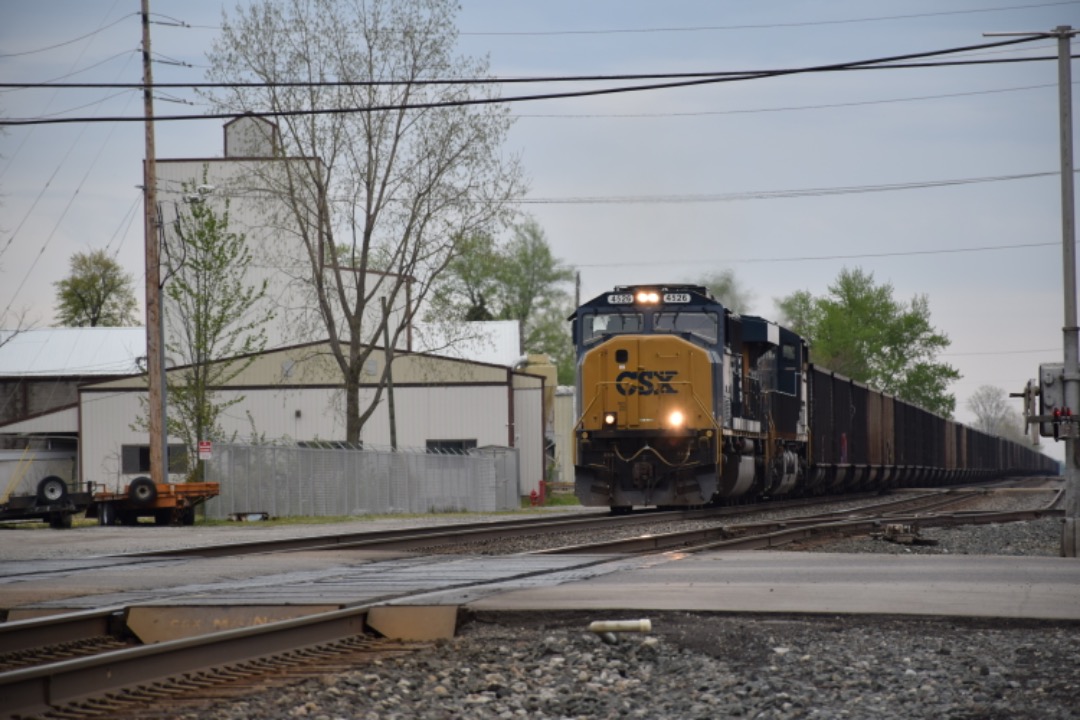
(712, 28)
(50, 83)
(805, 258)
(69, 42)
(763, 26)
(790, 108)
(778, 194)
(1000, 352)
(872, 64)
(862, 64)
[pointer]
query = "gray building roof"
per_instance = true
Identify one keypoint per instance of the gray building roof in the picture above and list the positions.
(67, 352)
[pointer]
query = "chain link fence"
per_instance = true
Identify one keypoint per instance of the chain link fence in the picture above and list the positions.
(333, 479)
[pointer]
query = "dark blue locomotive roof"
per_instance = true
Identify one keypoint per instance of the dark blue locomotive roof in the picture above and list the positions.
(625, 296)
(685, 295)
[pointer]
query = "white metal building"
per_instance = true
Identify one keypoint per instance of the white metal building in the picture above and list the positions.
(296, 393)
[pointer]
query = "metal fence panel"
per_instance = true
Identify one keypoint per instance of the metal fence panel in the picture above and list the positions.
(289, 481)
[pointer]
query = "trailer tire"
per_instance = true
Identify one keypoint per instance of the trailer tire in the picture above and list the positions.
(188, 516)
(51, 490)
(142, 491)
(106, 514)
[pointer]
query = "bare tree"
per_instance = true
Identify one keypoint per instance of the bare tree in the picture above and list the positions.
(993, 414)
(396, 170)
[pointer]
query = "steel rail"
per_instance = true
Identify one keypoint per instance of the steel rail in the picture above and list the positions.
(22, 635)
(469, 532)
(779, 532)
(41, 689)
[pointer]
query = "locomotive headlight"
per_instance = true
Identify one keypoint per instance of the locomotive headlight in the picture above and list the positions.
(609, 419)
(676, 419)
(648, 296)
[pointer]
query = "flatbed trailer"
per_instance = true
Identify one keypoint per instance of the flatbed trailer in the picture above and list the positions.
(166, 503)
(52, 503)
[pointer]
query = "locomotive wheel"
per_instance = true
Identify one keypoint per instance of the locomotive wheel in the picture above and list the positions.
(51, 490)
(621, 509)
(142, 491)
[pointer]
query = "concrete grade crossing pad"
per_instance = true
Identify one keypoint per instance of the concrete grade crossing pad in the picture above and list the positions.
(787, 582)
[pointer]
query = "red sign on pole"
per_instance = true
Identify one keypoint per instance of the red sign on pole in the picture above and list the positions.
(205, 449)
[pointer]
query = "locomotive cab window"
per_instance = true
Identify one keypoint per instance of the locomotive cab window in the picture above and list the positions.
(594, 327)
(701, 324)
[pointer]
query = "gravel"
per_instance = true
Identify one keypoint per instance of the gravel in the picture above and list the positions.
(505, 666)
(694, 666)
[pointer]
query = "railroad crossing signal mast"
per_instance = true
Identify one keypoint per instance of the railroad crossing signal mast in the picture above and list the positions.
(1062, 417)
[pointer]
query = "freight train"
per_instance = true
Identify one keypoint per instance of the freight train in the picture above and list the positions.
(684, 403)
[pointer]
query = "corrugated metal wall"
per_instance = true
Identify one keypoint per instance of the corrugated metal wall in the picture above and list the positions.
(529, 437)
(295, 481)
(565, 418)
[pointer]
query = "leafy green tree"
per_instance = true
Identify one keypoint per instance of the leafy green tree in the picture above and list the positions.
(215, 319)
(726, 288)
(470, 288)
(521, 281)
(96, 293)
(859, 330)
(373, 200)
(532, 288)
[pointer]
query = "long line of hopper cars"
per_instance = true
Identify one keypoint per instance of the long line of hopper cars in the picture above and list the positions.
(685, 403)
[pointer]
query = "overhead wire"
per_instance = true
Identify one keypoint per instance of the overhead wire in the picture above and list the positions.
(807, 258)
(47, 83)
(75, 143)
(25, 138)
(890, 62)
(765, 26)
(776, 194)
(787, 108)
(73, 40)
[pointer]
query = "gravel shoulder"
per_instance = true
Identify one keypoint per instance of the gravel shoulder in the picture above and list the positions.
(695, 666)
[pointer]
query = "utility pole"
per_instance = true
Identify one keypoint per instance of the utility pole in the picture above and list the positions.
(154, 338)
(1070, 537)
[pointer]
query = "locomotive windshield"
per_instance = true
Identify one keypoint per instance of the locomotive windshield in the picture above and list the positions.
(595, 326)
(702, 324)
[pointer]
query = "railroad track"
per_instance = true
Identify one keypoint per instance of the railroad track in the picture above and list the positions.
(423, 537)
(922, 511)
(84, 665)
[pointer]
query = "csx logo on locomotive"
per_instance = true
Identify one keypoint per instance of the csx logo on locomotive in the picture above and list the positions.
(646, 382)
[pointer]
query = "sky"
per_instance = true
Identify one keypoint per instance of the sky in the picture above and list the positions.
(658, 186)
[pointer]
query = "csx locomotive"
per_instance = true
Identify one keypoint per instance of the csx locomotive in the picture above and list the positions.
(683, 402)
